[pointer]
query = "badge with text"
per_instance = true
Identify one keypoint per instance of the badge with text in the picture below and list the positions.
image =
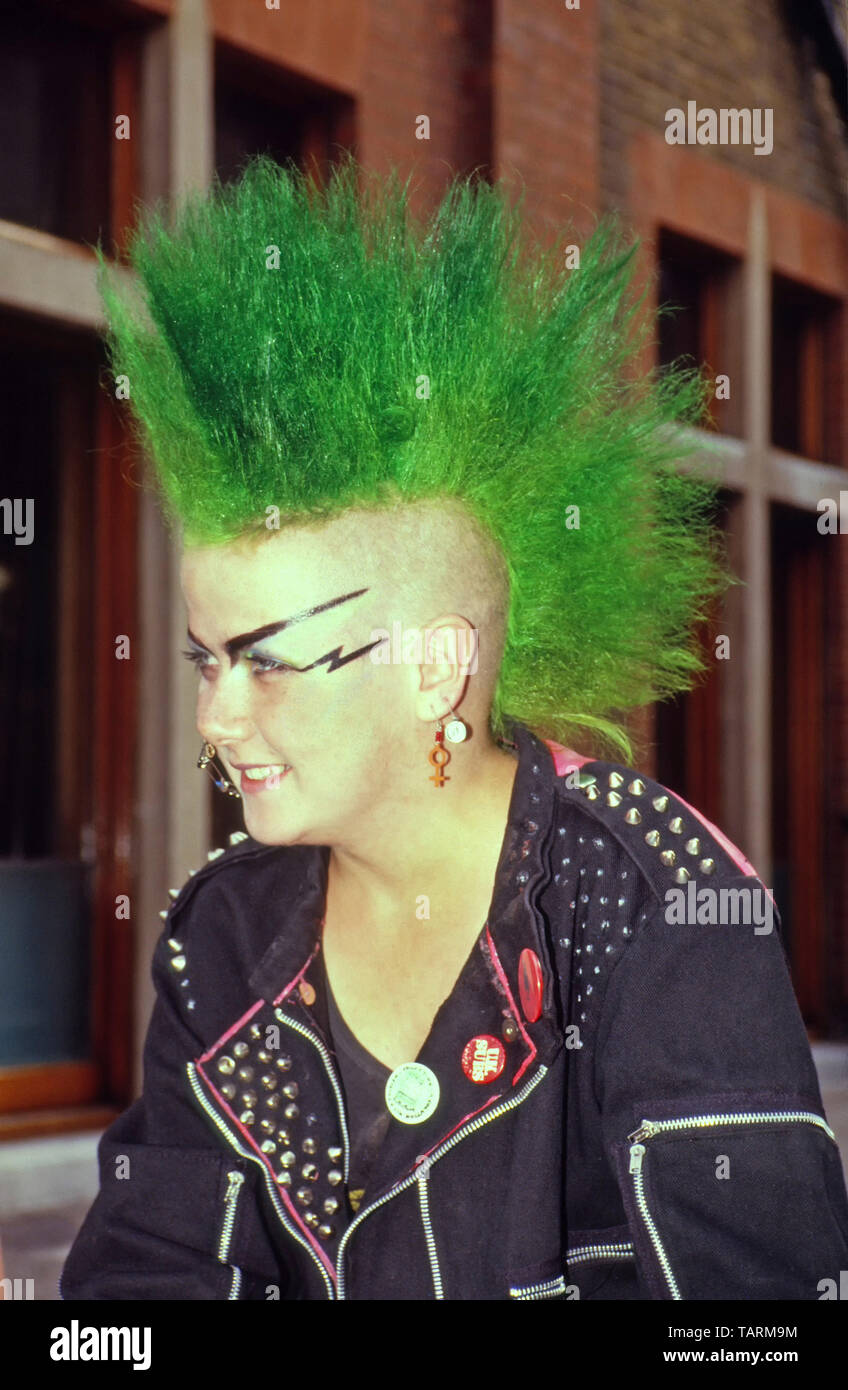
(483, 1058)
(412, 1093)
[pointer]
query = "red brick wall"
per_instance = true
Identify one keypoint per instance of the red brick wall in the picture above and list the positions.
(657, 54)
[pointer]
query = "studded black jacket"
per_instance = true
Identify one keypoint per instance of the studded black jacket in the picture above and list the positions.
(657, 1133)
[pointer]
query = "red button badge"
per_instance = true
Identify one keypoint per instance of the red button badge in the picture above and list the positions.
(530, 984)
(483, 1058)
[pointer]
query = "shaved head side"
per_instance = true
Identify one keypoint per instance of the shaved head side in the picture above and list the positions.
(421, 561)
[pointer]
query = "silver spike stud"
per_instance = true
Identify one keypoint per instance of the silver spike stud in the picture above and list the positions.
(668, 857)
(613, 799)
(681, 875)
(636, 787)
(214, 853)
(634, 816)
(693, 846)
(660, 803)
(237, 837)
(653, 838)
(173, 893)
(676, 826)
(616, 779)
(707, 866)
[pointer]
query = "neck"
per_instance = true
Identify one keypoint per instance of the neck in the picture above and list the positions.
(440, 846)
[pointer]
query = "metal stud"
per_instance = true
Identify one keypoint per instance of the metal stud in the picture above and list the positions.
(311, 1219)
(613, 799)
(326, 1231)
(269, 1147)
(291, 1090)
(310, 1172)
(693, 846)
(228, 1090)
(592, 793)
(284, 1063)
(304, 1195)
(249, 1099)
(682, 875)
(284, 1136)
(676, 826)
(633, 816)
(288, 1159)
(616, 779)
(636, 787)
(214, 853)
(653, 838)
(174, 944)
(269, 1082)
(668, 857)
(263, 1056)
(309, 1146)
(331, 1205)
(173, 893)
(247, 1117)
(284, 1178)
(255, 1030)
(707, 866)
(334, 1177)
(660, 803)
(227, 1066)
(246, 1073)
(163, 913)
(178, 962)
(272, 1101)
(237, 837)
(334, 1153)
(240, 1049)
(267, 1125)
(291, 1112)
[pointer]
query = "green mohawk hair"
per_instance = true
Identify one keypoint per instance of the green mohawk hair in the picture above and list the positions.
(316, 349)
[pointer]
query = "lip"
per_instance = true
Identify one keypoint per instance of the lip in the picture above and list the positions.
(271, 783)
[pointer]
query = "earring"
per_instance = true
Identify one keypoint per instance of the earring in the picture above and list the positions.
(207, 753)
(457, 729)
(439, 757)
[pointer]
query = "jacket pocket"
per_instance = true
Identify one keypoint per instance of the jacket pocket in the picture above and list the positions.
(167, 1223)
(699, 1237)
(578, 1273)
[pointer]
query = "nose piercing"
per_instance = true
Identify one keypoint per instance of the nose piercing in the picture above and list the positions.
(223, 783)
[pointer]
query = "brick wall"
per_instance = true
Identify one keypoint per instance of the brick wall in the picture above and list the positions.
(657, 54)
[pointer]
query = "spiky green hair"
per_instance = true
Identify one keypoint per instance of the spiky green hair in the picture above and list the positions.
(320, 349)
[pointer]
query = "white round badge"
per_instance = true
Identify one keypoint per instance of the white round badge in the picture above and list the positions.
(412, 1093)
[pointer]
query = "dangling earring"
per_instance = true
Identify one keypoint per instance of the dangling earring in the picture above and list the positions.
(439, 757)
(207, 753)
(456, 732)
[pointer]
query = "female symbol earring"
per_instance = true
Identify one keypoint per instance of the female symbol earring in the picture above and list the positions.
(207, 753)
(439, 757)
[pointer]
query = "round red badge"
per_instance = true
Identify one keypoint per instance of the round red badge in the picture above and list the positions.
(483, 1058)
(530, 984)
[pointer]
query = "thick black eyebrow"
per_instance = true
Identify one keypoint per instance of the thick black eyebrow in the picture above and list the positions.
(234, 645)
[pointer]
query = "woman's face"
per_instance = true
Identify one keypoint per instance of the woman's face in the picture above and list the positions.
(328, 734)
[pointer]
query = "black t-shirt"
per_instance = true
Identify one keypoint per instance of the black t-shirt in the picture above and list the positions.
(364, 1082)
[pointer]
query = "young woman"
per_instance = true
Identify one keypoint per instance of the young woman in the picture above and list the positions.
(464, 1014)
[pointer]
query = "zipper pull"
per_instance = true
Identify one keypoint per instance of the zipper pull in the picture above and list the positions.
(645, 1131)
(637, 1153)
(236, 1180)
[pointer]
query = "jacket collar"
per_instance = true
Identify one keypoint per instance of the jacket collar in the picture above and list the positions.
(486, 992)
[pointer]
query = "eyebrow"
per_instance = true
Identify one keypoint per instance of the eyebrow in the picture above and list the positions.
(234, 645)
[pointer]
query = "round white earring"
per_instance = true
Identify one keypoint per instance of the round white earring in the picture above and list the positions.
(456, 731)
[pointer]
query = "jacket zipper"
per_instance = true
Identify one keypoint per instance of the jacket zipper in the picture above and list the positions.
(230, 1204)
(325, 1058)
(648, 1128)
(424, 1203)
(583, 1254)
(235, 1143)
(481, 1120)
(549, 1288)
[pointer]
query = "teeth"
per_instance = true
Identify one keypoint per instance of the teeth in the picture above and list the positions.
(258, 774)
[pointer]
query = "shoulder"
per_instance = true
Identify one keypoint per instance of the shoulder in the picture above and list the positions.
(670, 841)
(225, 916)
